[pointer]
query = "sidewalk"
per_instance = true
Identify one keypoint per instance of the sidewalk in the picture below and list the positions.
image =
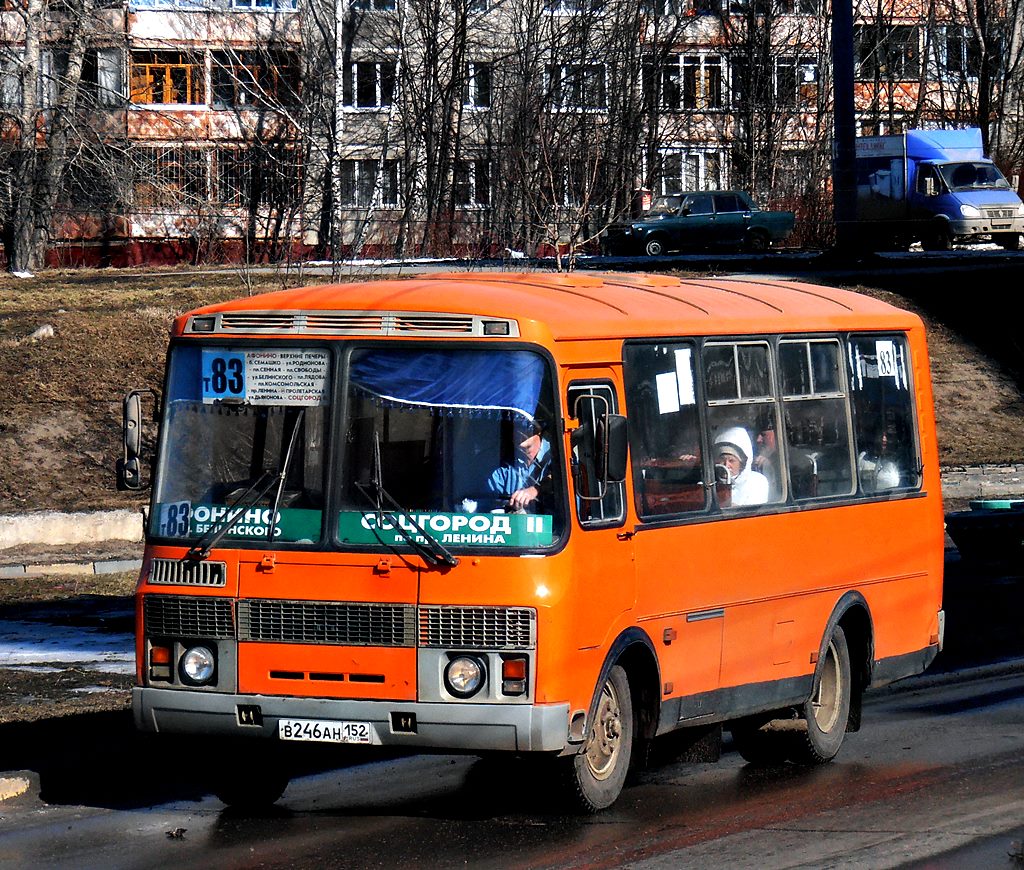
(102, 542)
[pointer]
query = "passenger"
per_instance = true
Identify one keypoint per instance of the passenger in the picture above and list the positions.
(733, 452)
(519, 483)
(877, 469)
(766, 459)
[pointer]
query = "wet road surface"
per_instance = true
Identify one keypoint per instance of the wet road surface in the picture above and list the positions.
(937, 773)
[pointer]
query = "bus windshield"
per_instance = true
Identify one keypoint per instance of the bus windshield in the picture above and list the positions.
(234, 420)
(450, 445)
(457, 443)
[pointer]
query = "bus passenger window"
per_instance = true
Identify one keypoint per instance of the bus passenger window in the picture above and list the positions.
(817, 418)
(743, 422)
(664, 428)
(883, 414)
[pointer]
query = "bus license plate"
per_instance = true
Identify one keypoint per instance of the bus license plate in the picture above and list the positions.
(324, 731)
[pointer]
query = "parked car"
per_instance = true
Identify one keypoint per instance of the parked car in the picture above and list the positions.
(699, 219)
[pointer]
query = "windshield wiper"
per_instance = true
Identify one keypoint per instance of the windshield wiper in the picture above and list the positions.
(287, 464)
(433, 552)
(201, 548)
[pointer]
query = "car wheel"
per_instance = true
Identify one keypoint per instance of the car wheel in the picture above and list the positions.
(1009, 241)
(655, 247)
(939, 240)
(757, 241)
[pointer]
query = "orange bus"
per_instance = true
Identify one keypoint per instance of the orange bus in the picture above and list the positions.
(550, 515)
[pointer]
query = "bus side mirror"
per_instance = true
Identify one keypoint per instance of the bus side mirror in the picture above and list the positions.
(611, 444)
(929, 186)
(129, 466)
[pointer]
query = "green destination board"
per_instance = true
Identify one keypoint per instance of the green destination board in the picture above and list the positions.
(456, 530)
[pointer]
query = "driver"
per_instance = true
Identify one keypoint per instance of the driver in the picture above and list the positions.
(519, 482)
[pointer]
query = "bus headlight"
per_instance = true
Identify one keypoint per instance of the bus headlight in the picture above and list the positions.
(464, 675)
(197, 665)
(970, 211)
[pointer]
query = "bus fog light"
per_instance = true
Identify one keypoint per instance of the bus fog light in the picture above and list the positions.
(197, 665)
(464, 676)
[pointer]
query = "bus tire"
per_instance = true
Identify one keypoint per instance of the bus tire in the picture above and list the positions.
(760, 745)
(1007, 241)
(827, 711)
(593, 778)
(243, 788)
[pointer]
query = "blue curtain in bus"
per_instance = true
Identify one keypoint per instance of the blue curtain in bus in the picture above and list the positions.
(452, 382)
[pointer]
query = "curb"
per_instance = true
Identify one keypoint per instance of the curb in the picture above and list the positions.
(103, 566)
(56, 528)
(13, 786)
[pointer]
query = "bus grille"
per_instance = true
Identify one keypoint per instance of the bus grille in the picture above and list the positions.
(174, 572)
(185, 616)
(478, 627)
(991, 213)
(341, 624)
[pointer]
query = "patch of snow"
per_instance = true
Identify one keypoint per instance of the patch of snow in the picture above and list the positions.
(23, 275)
(31, 644)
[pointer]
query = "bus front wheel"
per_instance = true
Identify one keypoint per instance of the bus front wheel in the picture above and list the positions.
(827, 712)
(594, 777)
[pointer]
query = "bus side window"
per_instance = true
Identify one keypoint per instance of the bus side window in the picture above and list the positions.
(743, 419)
(817, 418)
(664, 428)
(587, 402)
(883, 413)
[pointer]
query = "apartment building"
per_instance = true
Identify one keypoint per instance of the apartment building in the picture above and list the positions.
(247, 129)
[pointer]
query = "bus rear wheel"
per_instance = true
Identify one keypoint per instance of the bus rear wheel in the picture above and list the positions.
(594, 778)
(827, 711)
(760, 744)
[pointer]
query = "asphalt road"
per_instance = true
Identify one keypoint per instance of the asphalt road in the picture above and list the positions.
(936, 776)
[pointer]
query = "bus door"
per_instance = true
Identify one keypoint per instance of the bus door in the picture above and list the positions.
(602, 553)
(678, 601)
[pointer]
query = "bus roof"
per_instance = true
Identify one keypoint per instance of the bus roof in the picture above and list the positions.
(573, 306)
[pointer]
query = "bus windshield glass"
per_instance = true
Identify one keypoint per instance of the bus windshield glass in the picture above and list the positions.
(243, 428)
(452, 443)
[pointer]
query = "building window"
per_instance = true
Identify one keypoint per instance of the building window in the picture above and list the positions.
(374, 5)
(796, 81)
(167, 78)
(689, 169)
(478, 86)
(264, 177)
(247, 79)
(661, 83)
(702, 81)
(170, 178)
(472, 183)
(264, 5)
(577, 86)
(370, 84)
(664, 8)
(360, 182)
(572, 7)
(886, 53)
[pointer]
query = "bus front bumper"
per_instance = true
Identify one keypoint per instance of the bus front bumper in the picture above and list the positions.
(455, 727)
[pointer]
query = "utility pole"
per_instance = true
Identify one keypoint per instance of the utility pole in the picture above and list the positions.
(340, 11)
(844, 179)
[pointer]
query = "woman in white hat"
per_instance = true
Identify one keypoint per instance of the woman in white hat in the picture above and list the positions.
(733, 452)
